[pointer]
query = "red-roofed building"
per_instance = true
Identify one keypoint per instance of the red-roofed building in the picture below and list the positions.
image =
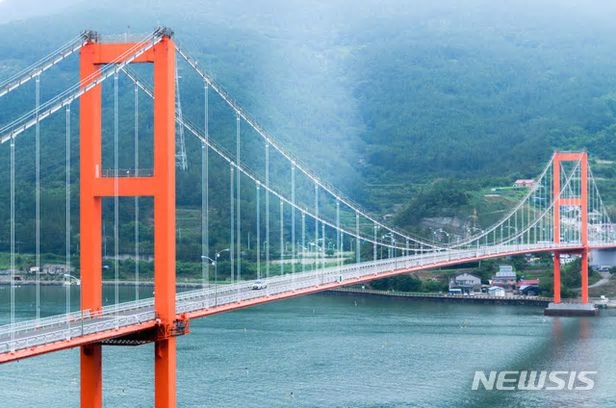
(527, 282)
(524, 183)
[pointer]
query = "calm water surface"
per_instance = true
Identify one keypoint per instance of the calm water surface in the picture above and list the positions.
(335, 351)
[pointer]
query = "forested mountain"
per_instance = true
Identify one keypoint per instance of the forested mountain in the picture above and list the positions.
(383, 97)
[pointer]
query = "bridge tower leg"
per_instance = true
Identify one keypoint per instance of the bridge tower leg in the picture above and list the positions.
(580, 200)
(94, 185)
(90, 225)
(556, 277)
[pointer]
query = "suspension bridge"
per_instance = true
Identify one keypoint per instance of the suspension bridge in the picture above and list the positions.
(300, 234)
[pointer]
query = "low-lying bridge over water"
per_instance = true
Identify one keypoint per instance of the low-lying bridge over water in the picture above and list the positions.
(121, 324)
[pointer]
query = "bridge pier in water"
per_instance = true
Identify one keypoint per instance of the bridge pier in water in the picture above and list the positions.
(579, 200)
(95, 185)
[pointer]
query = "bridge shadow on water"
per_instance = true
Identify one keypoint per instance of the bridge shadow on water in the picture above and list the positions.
(571, 349)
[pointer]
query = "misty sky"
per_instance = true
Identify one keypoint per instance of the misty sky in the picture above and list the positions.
(12, 10)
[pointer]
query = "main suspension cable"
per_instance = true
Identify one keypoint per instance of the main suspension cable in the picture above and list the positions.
(42, 65)
(29, 119)
(270, 140)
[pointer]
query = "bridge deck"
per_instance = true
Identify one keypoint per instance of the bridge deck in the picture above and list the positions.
(33, 337)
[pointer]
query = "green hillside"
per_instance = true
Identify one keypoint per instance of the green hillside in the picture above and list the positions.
(411, 108)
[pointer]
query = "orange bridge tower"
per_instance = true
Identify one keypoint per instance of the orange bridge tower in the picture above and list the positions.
(94, 185)
(578, 198)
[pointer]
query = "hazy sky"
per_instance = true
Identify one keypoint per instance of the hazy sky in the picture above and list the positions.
(11, 10)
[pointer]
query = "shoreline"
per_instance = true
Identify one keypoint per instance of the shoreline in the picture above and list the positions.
(538, 301)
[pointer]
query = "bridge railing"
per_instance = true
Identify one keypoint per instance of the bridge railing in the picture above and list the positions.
(71, 329)
(28, 325)
(63, 327)
(218, 295)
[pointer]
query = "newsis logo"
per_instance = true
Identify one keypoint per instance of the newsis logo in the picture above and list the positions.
(534, 380)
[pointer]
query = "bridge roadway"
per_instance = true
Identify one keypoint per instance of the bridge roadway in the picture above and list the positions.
(33, 337)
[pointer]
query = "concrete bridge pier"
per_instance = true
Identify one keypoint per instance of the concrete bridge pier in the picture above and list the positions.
(577, 199)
